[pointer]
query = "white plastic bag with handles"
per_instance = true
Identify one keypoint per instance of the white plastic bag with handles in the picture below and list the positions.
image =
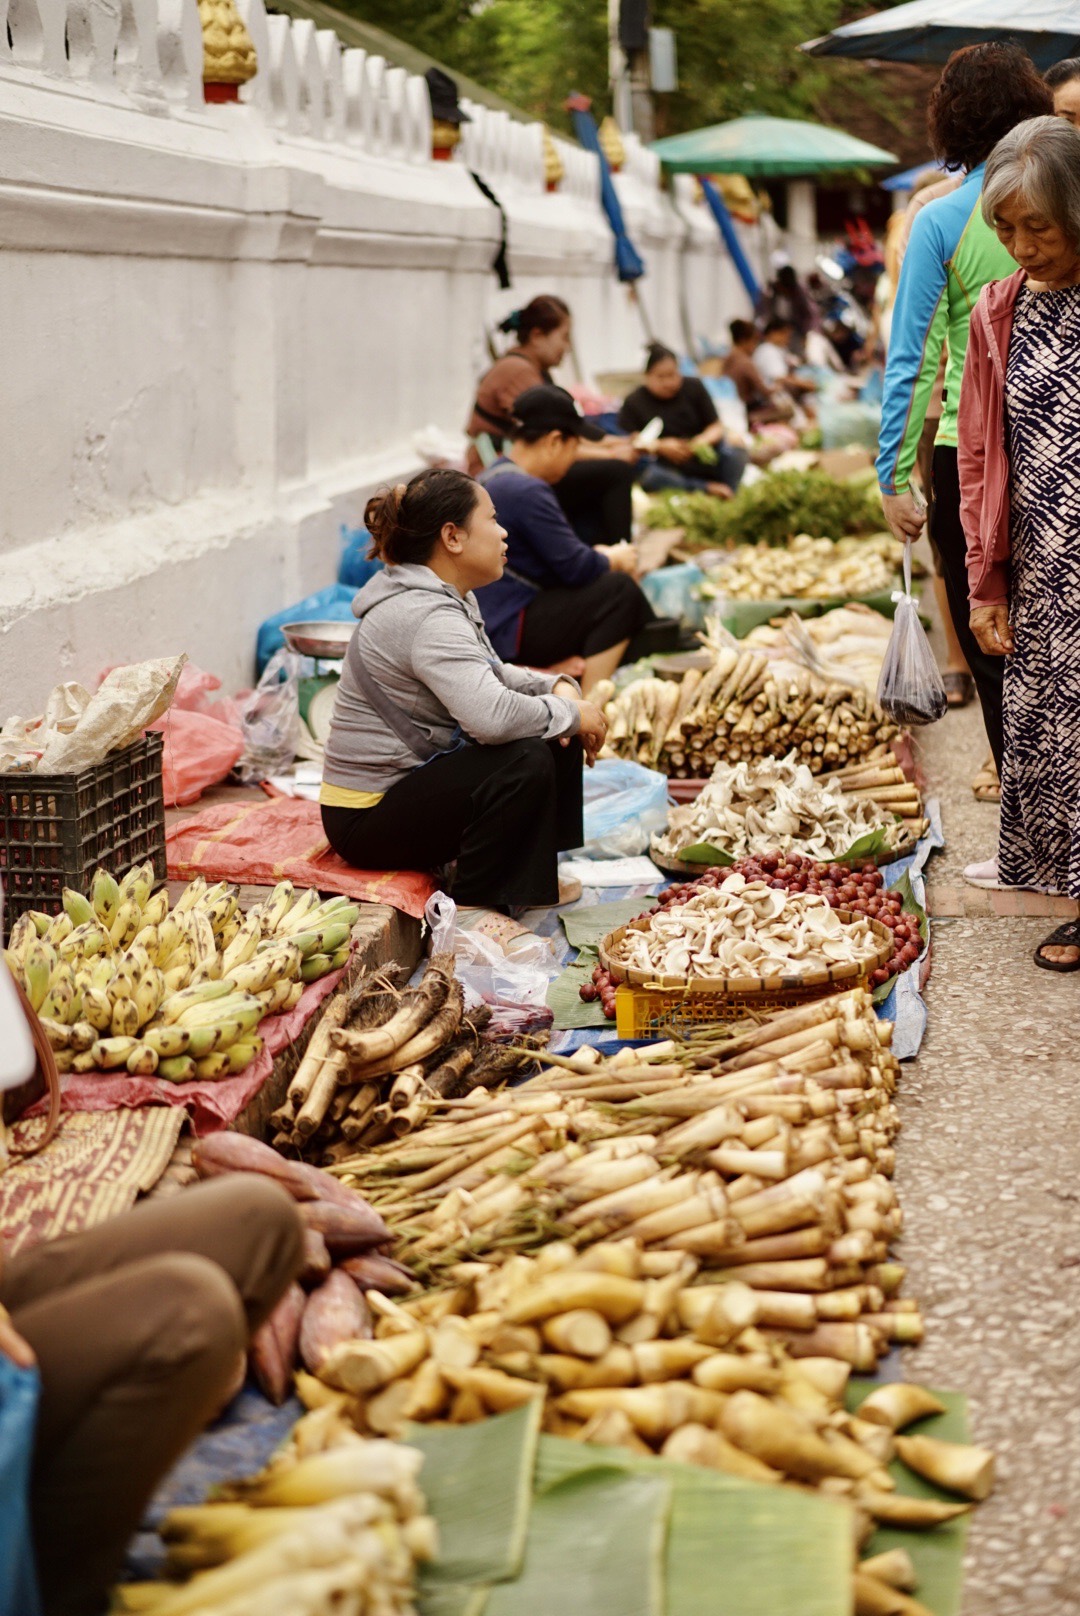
(910, 688)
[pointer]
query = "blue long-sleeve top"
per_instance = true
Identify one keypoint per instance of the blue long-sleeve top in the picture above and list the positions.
(951, 255)
(543, 552)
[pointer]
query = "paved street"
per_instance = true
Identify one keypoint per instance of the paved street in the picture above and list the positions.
(988, 1178)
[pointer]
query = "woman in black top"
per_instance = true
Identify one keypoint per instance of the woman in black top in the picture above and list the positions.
(692, 453)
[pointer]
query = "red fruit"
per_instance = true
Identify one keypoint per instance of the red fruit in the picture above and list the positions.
(589, 992)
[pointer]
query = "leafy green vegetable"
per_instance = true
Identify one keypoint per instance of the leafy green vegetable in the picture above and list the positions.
(772, 511)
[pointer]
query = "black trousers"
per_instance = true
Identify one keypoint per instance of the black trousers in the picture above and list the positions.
(948, 536)
(503, 812)
(596, 499)
(561, 623)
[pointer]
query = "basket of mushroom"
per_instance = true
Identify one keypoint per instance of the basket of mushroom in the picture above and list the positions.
(746, 938)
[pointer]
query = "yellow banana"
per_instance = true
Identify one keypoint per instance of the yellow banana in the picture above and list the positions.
(190, 896)
(61, 991)
(79, 908)
(39, 962)
(220, 912)
(82, 1035)
(58, 1035)
(23, 933)
(40, 922)
(244, 944)
(135, 886)
(110, 1053)
(177, 1003)
(125, 1018)
(101, 970)
(242, 1053)
(142, 1062)
(14, 965)
(74, 1008)
(149, 992)
(122, 982)
(228, 932)
(262, 972)
(340, 958)
(275, 998)
(171, 935)
(212, 1066)
(244, 1005)
(97, 1009)
(61, 927)
(125, 924)
(138, 957)
(277, 907)
(156, 908)
(167, 1041)
(148, 938)
(85, 1062)
(85, 942)
(297, 915)
(296, 993)
(201, 936)
(177, 1069)
(177, 977)
(64, 1060)
(203, 1040)
(104, 896)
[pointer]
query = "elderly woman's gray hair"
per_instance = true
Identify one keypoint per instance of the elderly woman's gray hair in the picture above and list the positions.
(1038, 163)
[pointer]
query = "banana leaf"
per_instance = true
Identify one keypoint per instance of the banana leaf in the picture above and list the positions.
(735, 1548)
(595, 1544)
(477, 1480)
(869, 846)
(938, 1554)
(588, 925)
(450, 1598)
(706, 853)
(564, 999)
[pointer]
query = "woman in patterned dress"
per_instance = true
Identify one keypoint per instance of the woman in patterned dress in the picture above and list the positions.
(1019, 463)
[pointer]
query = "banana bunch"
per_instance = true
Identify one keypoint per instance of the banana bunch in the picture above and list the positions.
(120, 982)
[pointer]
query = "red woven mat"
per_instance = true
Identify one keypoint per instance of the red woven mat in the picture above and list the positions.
(91, 1171)
(261, 843)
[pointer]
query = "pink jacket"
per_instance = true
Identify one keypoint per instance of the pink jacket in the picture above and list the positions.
(981, 456)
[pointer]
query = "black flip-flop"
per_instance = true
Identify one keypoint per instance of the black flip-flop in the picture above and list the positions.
(1066, 936)
(959, 688)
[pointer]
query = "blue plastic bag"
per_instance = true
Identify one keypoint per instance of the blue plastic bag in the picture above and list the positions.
(624, 804)
(676, 592)
(19, 1392)
(330, 605)
(355, 568)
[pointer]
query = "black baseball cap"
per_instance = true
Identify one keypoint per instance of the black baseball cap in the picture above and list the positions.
(551, 409)
(442, 90)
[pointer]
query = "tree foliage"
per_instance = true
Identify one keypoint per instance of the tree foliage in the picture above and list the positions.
(735, 56)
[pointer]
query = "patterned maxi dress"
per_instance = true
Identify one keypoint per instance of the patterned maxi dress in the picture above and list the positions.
(1039, 843)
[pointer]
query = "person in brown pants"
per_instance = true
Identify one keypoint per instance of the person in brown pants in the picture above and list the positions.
(138, 1328)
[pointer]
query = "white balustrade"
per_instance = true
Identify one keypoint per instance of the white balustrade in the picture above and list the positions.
(137, 70)
(330, 59)
(180, 52)
(256, 92)
(285, 90)
(419, 102)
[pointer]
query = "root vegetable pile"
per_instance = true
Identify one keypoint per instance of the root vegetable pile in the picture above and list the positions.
(381, 1056)
(846, 644)
(777, 805)
(121, 982)
(860, 889)
(746, 706)
(742, 929)
(808, 569)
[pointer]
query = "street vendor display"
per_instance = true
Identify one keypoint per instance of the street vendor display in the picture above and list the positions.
(778, 805)
(121, 981)
(747, 705)
(846, 644)
(773, 510)
(806, 569)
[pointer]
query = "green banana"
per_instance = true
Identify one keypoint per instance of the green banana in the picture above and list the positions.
(340, 959)
(242, 1053)
(203, 1040)
(104, 896)
(177, 1069)
(40, 922)
(314, 966)
(79, 908)
(109, 1053)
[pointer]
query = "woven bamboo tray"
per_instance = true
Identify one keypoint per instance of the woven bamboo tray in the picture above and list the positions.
(670, 866)
(823, 980)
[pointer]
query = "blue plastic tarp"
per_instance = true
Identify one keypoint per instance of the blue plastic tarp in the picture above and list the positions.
(718, 208)
(628, 262)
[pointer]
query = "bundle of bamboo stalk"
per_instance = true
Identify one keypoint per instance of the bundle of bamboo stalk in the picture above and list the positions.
(382, 1056)
(747, 705)
(764, 1153)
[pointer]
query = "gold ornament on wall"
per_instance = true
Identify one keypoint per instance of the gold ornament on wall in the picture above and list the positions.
(611, 144)
(554, 169)
(229, 58)
(444, 137)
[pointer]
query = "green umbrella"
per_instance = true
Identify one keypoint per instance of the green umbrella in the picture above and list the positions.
(768, 148)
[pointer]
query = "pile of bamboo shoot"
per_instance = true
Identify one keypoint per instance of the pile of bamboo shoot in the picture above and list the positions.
(746, 706)
(764, 1154)
(382, 1055)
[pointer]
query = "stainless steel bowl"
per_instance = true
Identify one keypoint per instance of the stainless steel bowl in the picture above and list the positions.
(327, 641)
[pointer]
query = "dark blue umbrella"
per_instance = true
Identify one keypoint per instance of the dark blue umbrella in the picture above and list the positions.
(628, 263)
(930, 30)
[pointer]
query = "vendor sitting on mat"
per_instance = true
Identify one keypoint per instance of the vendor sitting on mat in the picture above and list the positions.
(558, 601)
(692, 453)
(438, 751)
(595, 492)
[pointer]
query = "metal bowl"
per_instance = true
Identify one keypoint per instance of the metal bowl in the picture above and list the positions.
(327, 641)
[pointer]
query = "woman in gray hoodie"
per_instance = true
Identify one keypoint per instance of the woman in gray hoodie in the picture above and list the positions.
(439, 752)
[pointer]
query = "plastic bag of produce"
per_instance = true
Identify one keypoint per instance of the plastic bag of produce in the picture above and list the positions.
(271, 720)
(910, 689)
(624, 804)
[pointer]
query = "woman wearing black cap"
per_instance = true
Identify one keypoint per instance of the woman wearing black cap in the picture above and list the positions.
(595, 494)
(558, 600)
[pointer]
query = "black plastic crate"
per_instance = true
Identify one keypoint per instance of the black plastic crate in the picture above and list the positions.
(55, 829)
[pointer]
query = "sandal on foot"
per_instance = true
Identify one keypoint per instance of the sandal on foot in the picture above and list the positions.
(1066, 936)
(986, 787)
(959, 688)
(570, 890)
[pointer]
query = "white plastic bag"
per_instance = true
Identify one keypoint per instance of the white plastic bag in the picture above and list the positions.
(484, 971)
(910, 689)
(624, 804)
(270, 718)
